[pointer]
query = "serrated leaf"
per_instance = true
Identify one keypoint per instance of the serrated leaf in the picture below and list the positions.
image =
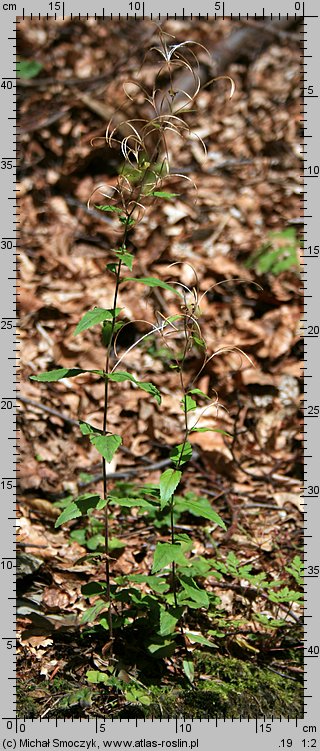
(150, 388)
(206, 513)
(166, 553)
(125, 257)
(92, 317)
(121, 376)
(169, 480)
(77, 508)
(57, 375)
(181, 454)
(150, 281)
(107, 445)
(285, 595)
(199, 596)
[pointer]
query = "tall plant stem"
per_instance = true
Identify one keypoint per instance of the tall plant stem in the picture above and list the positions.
(186, 434)
(104, 428)
(106, 388)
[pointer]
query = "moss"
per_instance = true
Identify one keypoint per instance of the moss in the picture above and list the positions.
(232, 688)
(32, 697)
(27, 706)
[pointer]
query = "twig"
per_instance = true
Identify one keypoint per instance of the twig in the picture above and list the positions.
(126, 473)
(29, 545)
(71, 421)
(282, 675)
(50, 708)
(49, 410)
(92, 212)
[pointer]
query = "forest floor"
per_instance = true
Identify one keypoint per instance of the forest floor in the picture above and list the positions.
(244, 224)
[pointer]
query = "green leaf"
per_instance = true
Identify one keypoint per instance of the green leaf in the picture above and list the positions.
(154, 582)
(276, 255)
(112, 267)
(163, 194)
(126, 257)
(188, 668)
(108, 207)
(270, 622)
(91, 614)
(131, 502)
(77, 508)
(181, 454)
(199, 639)
(27, 69)
(199, 393)
(92, 317)
(56, 375)
(96, 676)
(137, 695)
(169, 480)
(87, 429)
(83, 697)
(115, 544)
(296, 570)
(162, 647)
(198, 566)
(168, 620)
(95, 542)
(285, 595)
(211, 430)
(121, 376)
(199, 596)
(107, 445)
(150, 281)
(93, 588)
(109, 328)
(205, 512)
(79, 535)
(150, 388)
(165, 553)
(199, 341)
(188, 404)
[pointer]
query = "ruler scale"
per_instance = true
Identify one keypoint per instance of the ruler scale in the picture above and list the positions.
(274, 733)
